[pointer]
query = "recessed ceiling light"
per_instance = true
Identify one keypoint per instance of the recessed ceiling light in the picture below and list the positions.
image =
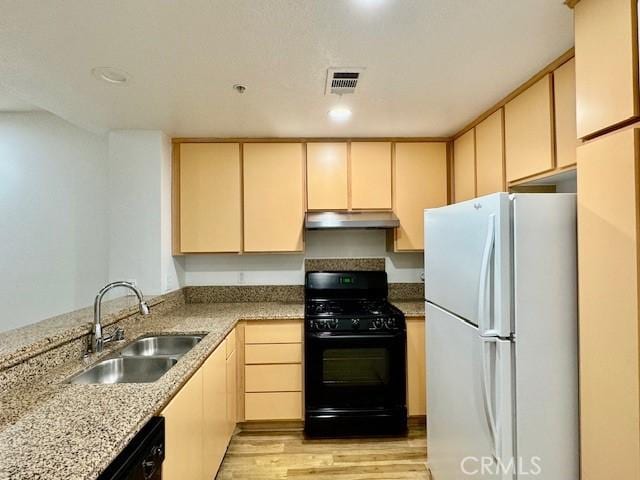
(340, 114)
(111, 75)
(370, 3)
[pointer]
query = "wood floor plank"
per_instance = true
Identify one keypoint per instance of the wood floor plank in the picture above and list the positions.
(289, 455)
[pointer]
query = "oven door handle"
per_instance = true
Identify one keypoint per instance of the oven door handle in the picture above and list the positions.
(330, 336)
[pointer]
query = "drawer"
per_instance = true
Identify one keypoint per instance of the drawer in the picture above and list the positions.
(273, 378)
(231, 342)
(273, 353)
(273, 331)
(273, 406)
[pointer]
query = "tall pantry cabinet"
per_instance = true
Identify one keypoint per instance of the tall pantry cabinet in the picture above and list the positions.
(608, 224)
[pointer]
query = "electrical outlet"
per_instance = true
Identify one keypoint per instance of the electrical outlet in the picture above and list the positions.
(240, 278)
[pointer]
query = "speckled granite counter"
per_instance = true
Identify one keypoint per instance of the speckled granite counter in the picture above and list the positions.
(53, 430)
(410, 308)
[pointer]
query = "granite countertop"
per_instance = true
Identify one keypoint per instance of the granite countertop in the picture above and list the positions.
(53, 430)
(410, 308)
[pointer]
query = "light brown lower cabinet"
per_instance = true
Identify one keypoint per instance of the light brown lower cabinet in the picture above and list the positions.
(198, 419)
(416, 368)
(232, 392)
(272, 370)
(183, 432)
(273, 406)
(215, 424)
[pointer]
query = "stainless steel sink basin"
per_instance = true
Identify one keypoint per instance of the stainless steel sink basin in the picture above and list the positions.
(161, 345)
(125, 370)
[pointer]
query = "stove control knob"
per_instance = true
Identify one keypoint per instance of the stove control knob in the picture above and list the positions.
(378, 323)
(355, 323)
(333, 323)
(391, 323)
(321, 324)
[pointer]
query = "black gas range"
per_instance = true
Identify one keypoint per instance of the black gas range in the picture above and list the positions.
(355, 356)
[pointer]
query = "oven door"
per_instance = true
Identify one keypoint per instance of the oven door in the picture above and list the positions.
(347, 371)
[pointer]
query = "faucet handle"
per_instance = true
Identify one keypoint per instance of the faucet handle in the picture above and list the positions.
(118, 334)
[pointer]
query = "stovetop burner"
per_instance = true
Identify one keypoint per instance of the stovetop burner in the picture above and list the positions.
(348, 302)
(348, 307)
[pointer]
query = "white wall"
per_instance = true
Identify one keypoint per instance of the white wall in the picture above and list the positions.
(288, 269)
(53, 217)
(140, 211)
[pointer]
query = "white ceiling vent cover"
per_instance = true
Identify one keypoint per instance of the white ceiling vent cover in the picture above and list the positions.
(341, 81)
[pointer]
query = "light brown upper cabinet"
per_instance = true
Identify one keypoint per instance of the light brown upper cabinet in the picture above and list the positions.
(606, 63)
(210, 198)
(564, 85)
(528, 127)
(327, 176)
(371, 175)
(273, 197)
(464, 167)
(419, 182)
(490, 154)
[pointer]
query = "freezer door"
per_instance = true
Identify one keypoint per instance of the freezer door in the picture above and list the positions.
(467, 261)
(469, 416)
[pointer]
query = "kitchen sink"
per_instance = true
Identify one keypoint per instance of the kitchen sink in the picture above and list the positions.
(161, 345)
(142, 361)
(125, 370)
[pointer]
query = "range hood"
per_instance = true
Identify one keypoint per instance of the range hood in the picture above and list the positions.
(343, 220)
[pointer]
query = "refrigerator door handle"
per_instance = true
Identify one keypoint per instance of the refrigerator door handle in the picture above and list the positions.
(487, 381)
(483, 322)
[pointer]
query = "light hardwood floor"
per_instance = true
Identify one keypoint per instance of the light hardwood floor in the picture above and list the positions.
(262, 456)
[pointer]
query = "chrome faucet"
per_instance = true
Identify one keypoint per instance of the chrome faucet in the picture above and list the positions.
(98, 338)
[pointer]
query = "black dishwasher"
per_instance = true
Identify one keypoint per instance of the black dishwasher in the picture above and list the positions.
(142, 458)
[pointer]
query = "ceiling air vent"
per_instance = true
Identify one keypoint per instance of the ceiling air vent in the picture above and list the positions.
(342, 81)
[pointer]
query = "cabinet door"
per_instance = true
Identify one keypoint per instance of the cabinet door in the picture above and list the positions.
(273, 331)
(183, 432)
(528, 129)
(416, 370)
(420, 181)
(273, 197)
(464, 167)
(371, 175)
(327, 176)
(210, 212)
(273, 378)
(273, 406)
(490, 154)
(214, 400)
(564, 86)
(606, 62)
(232, 395)
(608, 300)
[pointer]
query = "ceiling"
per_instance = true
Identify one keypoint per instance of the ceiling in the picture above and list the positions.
(431, 65)
(9, 102)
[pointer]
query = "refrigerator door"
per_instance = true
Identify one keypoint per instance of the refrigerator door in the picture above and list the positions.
(546, 320)
(469, 417)
(467, 261)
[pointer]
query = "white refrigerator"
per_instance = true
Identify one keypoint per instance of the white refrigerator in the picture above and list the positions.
(502, 345)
